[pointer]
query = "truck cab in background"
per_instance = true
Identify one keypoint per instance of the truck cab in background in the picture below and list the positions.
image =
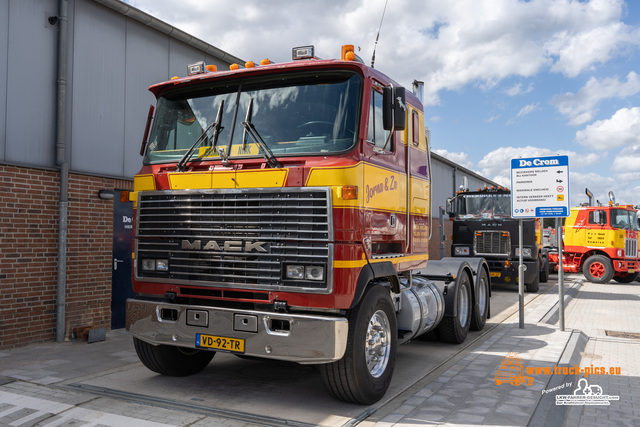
(483, 227)
(601, 241)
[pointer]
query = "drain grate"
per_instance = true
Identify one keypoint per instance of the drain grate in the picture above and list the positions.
(619, 334)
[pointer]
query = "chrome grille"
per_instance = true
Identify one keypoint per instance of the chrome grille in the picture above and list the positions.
(492, 243)
(236, 238)
(631, 248)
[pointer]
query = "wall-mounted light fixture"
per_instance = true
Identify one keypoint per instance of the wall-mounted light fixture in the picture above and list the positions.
(105, 194)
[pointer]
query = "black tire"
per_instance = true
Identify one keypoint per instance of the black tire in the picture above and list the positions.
(481, 305)
(359, 377)
(544, 271)
(535, 285)
(626, 278)
(454, 329)
(598, 269)
(170, 360)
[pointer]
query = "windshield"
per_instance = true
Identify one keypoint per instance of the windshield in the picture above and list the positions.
(484, 206)
(622, 218)
(297, 114)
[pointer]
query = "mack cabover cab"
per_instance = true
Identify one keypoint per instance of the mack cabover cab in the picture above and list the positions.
(483, 227)
(601, 242)
(283, 212)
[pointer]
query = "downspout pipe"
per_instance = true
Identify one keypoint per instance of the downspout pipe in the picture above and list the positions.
(61, 161)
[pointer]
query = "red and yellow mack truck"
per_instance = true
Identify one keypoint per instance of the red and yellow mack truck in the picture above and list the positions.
(283, 212)
(601, 242)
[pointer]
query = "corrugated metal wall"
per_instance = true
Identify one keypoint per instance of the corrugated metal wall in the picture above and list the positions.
(27, 82)
(447, 179)
(112, 60)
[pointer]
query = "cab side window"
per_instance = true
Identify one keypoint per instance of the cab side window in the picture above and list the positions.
(377, 135)
(598, 217)
(415, 128)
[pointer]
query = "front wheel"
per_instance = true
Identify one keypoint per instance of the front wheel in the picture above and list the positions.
(364, 373)
(598, 269)
(170, 360)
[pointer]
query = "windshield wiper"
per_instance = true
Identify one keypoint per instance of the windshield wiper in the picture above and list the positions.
(216, 126)
(250, 129)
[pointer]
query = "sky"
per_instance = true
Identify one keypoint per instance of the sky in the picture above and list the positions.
(502, 78)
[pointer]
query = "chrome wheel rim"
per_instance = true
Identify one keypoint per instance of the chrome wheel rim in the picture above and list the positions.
(378, 343)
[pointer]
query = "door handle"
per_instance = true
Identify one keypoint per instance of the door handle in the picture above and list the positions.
(115, 263)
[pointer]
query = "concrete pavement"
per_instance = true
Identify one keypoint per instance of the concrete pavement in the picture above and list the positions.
(601, 321)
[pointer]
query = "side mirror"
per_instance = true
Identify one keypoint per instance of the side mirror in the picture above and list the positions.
(146, 130)
(394, 110)
(450, 208)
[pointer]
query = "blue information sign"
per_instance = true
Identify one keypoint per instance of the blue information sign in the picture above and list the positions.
(540, 187)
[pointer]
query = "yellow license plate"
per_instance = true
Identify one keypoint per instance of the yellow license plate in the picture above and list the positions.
(631, 270)
(235, 345)
(495, 274)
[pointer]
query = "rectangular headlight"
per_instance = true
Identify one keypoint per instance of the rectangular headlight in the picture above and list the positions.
(295, 272)
(526, 252)
(149, 264)
(314, 272)
(162, 265)
(461, 250)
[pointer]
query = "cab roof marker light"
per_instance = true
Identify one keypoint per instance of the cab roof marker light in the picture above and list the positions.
(266, 61)
(302, 52)
(234, 66)
(347, 53)
(196, 68)
(249, 64)
(211, 68)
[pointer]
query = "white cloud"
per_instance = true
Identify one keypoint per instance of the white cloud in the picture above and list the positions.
(580, 50)
(622, 129)
(580, 107)
(517, 89)
(527, 109)
(598, 185)
(627, 160)
(496, 164)
(460, 158)
(448, 45)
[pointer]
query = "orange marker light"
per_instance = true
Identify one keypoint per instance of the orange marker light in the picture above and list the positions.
(249, 64)
(350, 192)
(347, 53)
(212, 68)
(265, 61)
(124, 196)
(234, 67)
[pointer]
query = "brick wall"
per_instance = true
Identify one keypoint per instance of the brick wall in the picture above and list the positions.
(29, 253)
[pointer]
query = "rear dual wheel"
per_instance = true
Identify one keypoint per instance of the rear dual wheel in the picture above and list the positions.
(454, 329)
(481, 309)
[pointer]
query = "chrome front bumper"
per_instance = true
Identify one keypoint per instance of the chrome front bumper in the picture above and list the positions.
(293, 337)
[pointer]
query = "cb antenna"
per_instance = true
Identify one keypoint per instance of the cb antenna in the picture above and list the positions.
(373, 58)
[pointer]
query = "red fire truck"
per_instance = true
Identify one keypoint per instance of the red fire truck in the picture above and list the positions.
(283, 212)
